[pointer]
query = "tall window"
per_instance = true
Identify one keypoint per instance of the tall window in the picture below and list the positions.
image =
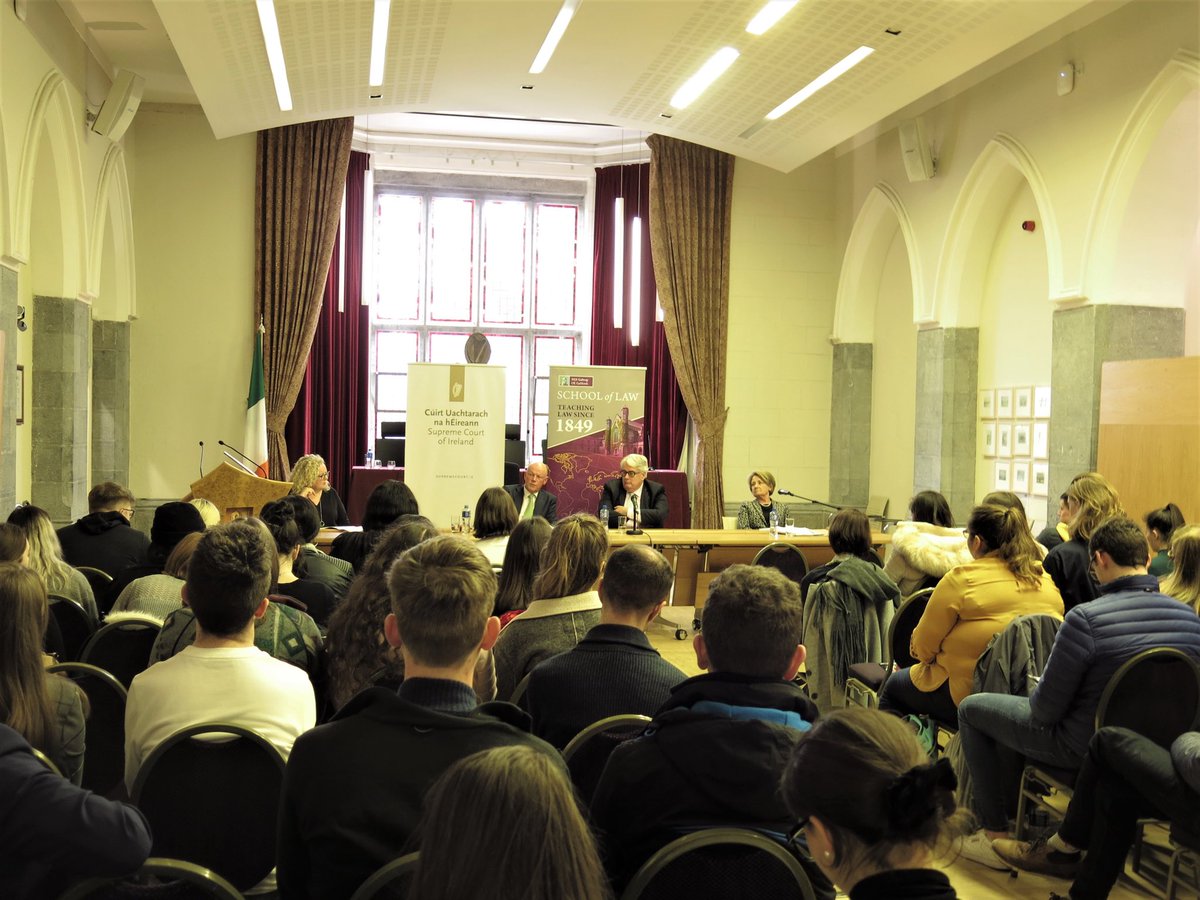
(449, 263)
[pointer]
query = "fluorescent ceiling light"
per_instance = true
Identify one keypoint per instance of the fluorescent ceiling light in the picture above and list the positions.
(709, 72)
(618, 262)
(836, 70)
(635, 282)
(270, 30)
(769, 15)
(553, 36)
(379, 30)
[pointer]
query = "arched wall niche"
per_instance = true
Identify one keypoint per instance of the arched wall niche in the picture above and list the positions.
(112, 242)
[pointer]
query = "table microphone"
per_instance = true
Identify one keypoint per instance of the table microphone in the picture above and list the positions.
(633, 502)
(202, 459)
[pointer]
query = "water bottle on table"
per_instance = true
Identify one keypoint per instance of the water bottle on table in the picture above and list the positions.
(466, 519)
(606, 515)
(774, 524)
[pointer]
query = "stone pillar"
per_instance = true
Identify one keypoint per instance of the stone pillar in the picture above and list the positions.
(61, 331)
(850, 425)
(9, 401)
(947, 380)
(110, 402)
(1084, 339)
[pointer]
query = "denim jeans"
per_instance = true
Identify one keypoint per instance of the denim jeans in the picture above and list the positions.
(986, 724)
(901, 696)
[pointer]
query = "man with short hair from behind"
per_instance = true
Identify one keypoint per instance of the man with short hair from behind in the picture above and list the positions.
(716, 750)
(1054, 724)
(354, 787)
(614, 670)
(103, 539)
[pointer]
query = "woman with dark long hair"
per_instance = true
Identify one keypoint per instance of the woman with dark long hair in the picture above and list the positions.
(495, 517)
(927, 546)
(522, 559)
(386, 503)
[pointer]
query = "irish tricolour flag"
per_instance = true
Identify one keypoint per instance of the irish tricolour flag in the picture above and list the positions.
(256, 409)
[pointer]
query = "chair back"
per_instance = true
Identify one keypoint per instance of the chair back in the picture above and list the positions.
(521, 688)
(123, 647)
(784, 557)
(46, 761)
(211, 795)
(390, 881)
(1156, 693)
(157, 879)
(903, 624)
(97, 578)
(74, 624)
(721, 864)
(587, 753)
(104, 750)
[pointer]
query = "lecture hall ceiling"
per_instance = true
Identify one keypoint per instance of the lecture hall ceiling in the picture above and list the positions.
(618, 64)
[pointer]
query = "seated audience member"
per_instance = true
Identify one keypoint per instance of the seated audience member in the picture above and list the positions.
(968, 608)
(531, 497)
(222, 676)
(1160, 525)
(159, 595)
(875, 811)
(927, 546)
(359, 653)
(353, 788)
(14, 547)
(650, 496)
(1125, 777)
(1056, 532)
(387, 503)
(1184, 581)
(310, 480)
(103, 538)
(316, 596)
(172, 522)
(45, 558)
(565, 603)
(53, 833)
(718, 747)
(316, 565)
(1090, 500)
(47, 710)
(614, 670)
(208, 511)
(756, 512)
(849, 535)
(1054, 724)
(495, 517)
(465, 856)
(522, 559)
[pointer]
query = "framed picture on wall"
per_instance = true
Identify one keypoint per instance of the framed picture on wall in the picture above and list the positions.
(1021, 438)
(1041, 402)
(1004, 403)
(987, 404)
(1023, 402)
(1040, 479)
(1004, 439)
(1041, 440)
(1020, 476)
(989, 439)
(1003, 479)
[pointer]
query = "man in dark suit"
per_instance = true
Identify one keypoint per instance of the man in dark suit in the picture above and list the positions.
(651, 497)
(531, 498)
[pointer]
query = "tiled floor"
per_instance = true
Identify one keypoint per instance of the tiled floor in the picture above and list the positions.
(972, 881)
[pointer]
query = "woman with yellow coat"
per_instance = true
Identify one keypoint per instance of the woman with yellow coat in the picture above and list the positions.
(970, 605)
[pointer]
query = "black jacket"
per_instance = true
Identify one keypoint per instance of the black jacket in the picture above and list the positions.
(654, 509)
(1070, 565)
(105, 541)
(905, 884)
(545, 504)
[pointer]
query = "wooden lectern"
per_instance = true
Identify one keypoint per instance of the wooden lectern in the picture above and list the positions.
(236, 493)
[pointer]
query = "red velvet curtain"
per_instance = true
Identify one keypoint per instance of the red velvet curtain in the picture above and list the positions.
(331, 411)
(666, 415)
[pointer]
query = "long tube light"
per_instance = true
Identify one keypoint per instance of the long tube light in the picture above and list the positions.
(769, 15)
(708, 73)
(635, 281)
(270, 29)
(618, 262)
(379, 32)
(835, 71)
(557, 29)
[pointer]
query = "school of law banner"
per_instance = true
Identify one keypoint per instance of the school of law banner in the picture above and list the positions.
(454, 441)
(597, 417)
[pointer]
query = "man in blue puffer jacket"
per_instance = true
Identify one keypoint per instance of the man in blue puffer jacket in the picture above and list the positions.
(1054, 725)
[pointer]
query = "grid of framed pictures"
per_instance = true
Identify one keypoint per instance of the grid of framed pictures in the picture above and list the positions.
(1016, 434)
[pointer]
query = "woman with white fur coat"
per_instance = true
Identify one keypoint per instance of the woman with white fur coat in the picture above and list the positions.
(927, 547)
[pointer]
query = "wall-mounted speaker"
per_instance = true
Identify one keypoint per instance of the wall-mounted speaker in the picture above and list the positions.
(120, 105)
(914, 147)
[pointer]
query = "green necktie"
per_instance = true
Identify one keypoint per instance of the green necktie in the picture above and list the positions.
(527, 511)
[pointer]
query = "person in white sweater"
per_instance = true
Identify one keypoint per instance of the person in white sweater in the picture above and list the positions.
(927, 547)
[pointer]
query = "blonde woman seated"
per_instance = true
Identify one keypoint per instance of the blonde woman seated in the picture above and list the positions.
(46, 558)
(968, 607)
(1184, 581)
(926, 547)
(756, 513)
(310, 479)
(876, 813)
(160, 594)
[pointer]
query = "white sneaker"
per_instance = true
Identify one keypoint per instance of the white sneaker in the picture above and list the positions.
(977, 847)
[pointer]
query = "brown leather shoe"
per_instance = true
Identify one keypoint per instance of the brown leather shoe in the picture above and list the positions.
(1037, 857)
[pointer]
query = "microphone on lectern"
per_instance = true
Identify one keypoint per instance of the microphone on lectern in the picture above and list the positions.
(238, 452)
(202, 459)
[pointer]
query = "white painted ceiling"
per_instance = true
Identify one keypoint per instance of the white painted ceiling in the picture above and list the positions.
(618, 64)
